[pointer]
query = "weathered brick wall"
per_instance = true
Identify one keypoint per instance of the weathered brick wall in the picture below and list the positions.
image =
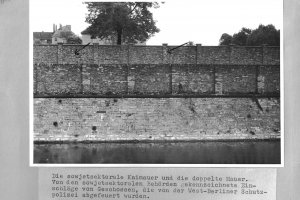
(213, 55)
(150, 117)
(271, 55)
(243, 56)
(145, 54)
(142, 70)
(148, 79)
(191, 79)
(66, 55)
(235, 79)
(130, 54)
(45, 54)
(152, 79)
(182, 55)
(111, 54)
(57, 79)
(105, 79)
(128, 69)
(269, 79)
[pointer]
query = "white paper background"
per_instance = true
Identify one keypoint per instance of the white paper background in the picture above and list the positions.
(19, 181)
(263, 179)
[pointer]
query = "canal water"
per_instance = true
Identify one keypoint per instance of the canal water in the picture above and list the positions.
(249, 152)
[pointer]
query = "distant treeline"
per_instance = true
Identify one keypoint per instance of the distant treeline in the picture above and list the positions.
(263, 35)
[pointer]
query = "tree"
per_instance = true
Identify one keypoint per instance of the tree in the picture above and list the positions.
(129, 22)
(263, 35)
(240, 38)
(71, 37)
(225, 39)
(74, 40)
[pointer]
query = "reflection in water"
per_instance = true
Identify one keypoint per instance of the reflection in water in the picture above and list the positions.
(258, 152)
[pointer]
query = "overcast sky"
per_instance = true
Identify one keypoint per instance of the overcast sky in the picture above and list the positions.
(179, 21)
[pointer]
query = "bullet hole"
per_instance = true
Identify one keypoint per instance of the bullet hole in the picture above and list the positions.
(218, 133)
(248, 116)
(115, 100)
(252, 132)
(150, 137)
(94, 128)
(192, 109)
(76, 135)
(107, 103)
(60, 101)
(101, 111)
(55, 124)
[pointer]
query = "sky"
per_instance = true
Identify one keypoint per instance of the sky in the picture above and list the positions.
(200, 21)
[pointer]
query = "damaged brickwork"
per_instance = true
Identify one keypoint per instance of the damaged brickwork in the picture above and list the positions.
(74, 94)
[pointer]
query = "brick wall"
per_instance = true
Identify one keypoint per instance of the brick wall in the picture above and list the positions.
(148, 79)
(150, 70)
(193, 79)
(132, 118)
(130, 54)
(58, 79)
(153, 79)
(236, 79)
(268, 79)
(132, 70)
(105, 79)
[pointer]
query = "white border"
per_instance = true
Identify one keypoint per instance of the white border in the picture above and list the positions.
(30, 89)
(31, 120)
(282, 105)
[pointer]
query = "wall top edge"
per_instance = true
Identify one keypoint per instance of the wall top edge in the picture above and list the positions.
(236, 46)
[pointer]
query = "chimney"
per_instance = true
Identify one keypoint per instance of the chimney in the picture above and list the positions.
(54, 28)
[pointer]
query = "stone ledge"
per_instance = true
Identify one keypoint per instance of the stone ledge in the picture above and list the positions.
(87, 139)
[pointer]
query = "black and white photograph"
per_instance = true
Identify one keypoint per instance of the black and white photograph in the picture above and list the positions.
(195, 83)
(194, 99)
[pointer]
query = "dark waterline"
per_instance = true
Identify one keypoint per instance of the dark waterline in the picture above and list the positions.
(249, 152)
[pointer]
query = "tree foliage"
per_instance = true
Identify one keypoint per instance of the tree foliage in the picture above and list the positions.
(74, 40)
(71, 37)
(130, 22)
(241, 37)
(225, 39)
(263, 35)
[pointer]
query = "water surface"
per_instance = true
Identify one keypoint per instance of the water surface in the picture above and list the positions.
(249, 152)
